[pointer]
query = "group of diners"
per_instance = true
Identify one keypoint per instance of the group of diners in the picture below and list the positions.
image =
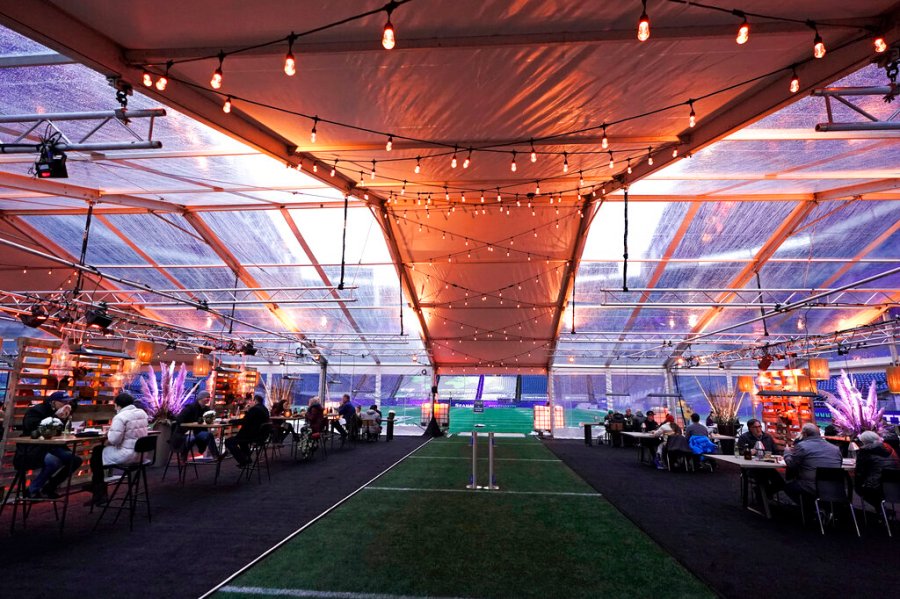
(53, 464)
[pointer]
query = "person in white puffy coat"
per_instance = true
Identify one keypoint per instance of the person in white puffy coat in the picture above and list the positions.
(128, 425)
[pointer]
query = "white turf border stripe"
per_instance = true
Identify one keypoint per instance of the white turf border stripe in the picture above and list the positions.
(468, 459)
(309, 593)
(308, 524)
(486, 492)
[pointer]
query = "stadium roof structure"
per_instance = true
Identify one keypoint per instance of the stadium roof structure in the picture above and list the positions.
(513, 187)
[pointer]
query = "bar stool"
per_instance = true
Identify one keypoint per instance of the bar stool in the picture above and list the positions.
(135, 476)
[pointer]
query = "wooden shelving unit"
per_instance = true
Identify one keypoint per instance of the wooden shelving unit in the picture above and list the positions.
(785, 408)
(31, 380)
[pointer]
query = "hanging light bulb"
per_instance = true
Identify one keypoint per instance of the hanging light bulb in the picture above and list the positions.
(312, 133)
(372, 174)
(499, 197)
(462, 198)
(147, 79)
(418, 168)
(482, 201)
(643, 32)
(533, 153)
(628, 169)
(512, 165)
(390, 144)
(334, 167)
(226, 107)
(446, 193)
(216, 81)
(743, 34)
(818, 43)
(650, 156)
(565, 162)
(468, 159)
(692, 118)
(290, 63)
(612, 161)
(163, 81)
(537, 188)
(604, 142)
(880, 44)
(580, 179)
(453, 160)
(795, 81)
(388, 41)
(675, 152)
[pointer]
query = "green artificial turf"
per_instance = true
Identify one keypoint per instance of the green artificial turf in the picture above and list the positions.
(440, 540)
(507, 420)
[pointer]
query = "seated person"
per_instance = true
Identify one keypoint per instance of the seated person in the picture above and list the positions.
(638, 421)
(371, 421)
(56, 462)
(239, 444)
(807, 454)
(128, 425)
(192, 413)
(695, 428)
(283, 428)
(308, 438)
(668, 428)
(615, 426)
(710, 421)
(347, 411)
(770, 480)
(650, 423)
(873, 456)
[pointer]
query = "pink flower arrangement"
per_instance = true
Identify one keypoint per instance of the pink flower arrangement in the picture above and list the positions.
(165, 400)
(850, 412)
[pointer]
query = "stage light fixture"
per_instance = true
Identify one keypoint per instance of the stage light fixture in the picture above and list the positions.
(249, 349)
(37, 317)
(51, 164)
(98, 317)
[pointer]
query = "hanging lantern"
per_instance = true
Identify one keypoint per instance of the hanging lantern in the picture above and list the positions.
(893, 379)
(143, 352)
(131, 367)
(745, 383)
(201, 366)
(818, 369)
(805, 384)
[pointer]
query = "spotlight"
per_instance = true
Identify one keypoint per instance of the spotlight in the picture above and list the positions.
(721, 366)
(98, 317)
(249, 349)
(765, 362)
(37, 317)
(51, 163)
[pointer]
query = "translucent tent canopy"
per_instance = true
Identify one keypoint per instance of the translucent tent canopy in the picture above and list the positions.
(470, 270)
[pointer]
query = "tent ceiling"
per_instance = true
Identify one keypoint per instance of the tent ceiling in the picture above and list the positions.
(488, 285)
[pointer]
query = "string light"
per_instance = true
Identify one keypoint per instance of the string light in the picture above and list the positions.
(650, 156)
(795, 81)
(880, 44)
(216, 81)
(418, 168)
(226, 107)
(628, 169)
(290, 63)
(612, 160)
(388, 40)
(643, 30)
(743, 34)
(692, 118)
(675, 152)
(604, 142)
(163, 81)
(468, 159)
(147, 79)
(482, 201)
(565, 162)
(403, 189)
(580, 179)
(512, 165)
(818, 44)
(390, 144)
(334, 168)
(312, 133)
(537, 188)
(453, 160)
(533, 153)
(372, 174)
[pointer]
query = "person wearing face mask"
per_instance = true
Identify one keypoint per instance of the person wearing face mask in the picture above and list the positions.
(128, 425)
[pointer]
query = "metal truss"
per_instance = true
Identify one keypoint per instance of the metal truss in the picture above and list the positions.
(870, 122)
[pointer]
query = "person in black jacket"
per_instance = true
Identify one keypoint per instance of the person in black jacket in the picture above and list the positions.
(191, 413)
(872, 458)
(56, 462)
(239, 444)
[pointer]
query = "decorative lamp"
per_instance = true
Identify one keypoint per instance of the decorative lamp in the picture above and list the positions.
(745, 383)
(202, 366)
(804, 383)
(818, 369)
(131, 367)
(143, 351)
(893, 379)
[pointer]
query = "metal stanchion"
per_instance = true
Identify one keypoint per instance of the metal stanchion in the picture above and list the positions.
(473, 481)
(492, 480)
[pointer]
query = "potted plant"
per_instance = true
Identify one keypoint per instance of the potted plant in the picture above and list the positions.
(163, 402)
(851, 413)
(724, 405)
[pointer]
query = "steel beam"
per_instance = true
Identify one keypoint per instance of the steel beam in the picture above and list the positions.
(33, 60)
(67, 190)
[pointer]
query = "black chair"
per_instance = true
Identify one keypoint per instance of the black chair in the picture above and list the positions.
(832, 487)
(259, 451)
(677, 447)
(135, 477)
(890, 487)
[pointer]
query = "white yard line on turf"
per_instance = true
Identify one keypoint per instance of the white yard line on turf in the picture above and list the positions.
(486, 492)
(469, 459)
(308, 524)
(311, 593)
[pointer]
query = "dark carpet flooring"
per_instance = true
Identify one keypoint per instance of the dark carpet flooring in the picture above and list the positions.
(200, 533)
(698, 518)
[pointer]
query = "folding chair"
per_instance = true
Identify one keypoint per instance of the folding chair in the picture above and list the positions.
(831, 487)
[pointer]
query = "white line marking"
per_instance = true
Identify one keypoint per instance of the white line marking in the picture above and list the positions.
(307, 525)
(469, 459)
(311, 593)
(423, 490)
